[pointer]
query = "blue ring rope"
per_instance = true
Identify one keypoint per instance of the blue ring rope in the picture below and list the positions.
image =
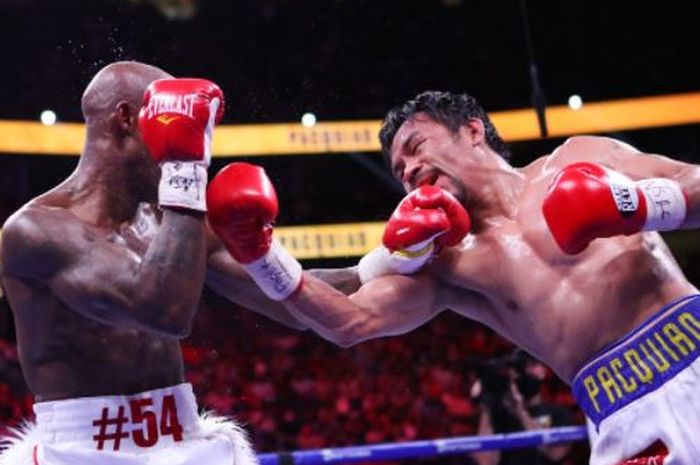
(428, 448)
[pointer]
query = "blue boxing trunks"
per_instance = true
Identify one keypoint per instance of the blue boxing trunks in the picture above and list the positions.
(645, 389)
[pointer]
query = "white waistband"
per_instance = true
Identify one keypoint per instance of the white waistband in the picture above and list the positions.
(137, 422)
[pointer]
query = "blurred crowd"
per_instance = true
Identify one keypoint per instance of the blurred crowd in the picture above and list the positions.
(295, 391)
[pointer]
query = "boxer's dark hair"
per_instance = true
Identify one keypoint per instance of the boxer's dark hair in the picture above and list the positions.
(449, 109)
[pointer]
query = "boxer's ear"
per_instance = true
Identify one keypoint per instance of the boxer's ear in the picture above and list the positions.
(474, 129)
(126, 117)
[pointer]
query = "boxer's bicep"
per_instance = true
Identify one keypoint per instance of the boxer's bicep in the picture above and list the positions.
(399, 303)
(346, 280)
(389, 305)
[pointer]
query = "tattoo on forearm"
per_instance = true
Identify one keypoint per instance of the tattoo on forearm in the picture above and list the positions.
(185, 245)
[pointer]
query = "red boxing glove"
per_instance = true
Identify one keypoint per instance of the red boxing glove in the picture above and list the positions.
(587, 201)
(425, 221)
(425, 214)
(242, 209)
(177, 121)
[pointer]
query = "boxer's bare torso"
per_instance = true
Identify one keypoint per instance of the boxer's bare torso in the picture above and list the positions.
(69, 346)
(102, 283)
(559, 307)
(508, 272)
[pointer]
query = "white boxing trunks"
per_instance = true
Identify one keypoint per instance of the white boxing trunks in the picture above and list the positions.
(150, 428)
(642, 394)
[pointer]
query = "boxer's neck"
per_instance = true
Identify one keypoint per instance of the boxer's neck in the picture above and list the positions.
(493, 191)
(110, 185)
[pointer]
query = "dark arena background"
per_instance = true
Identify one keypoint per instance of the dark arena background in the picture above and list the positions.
(624, 69)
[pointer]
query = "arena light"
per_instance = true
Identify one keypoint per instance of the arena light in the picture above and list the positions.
(308, 120)
(47, 118)
(285, 139)
(575, 102)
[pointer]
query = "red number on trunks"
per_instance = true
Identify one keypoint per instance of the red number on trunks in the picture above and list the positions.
(148, 417)
(169, 423)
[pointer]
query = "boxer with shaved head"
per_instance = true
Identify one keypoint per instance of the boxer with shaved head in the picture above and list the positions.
(104, 275)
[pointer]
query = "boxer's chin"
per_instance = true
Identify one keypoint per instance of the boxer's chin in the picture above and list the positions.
(454, 187)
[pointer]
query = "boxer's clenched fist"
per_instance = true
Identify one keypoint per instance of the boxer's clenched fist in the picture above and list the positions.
(425, 221)
(587, 201)
(242, 210)
(177, 120)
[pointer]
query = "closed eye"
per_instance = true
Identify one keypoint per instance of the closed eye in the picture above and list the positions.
(415, 147)
(411, 144)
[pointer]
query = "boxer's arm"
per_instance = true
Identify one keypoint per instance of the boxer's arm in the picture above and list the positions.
(657, 166)
(346, 280)
(98, 276)
(637, 165)
(386, 306)
(243, 206)
(228, 279)
(606, 188)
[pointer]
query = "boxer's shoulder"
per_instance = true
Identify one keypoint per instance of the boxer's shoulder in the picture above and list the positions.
(594, 149)
(27, 222)
(33, 235)
(38, 218)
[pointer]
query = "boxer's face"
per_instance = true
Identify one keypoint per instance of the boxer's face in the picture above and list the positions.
(143, 169)
(150, 167)
(426, 152)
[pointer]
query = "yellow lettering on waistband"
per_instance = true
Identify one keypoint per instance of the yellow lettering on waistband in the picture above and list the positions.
(643, 372)
(629, 384)
(609, 384)
(661, 364)
(678, 338)
(593, 391)
(690, 323)
(668, 350)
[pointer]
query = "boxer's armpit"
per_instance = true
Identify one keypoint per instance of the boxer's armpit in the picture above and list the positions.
(346, 280)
